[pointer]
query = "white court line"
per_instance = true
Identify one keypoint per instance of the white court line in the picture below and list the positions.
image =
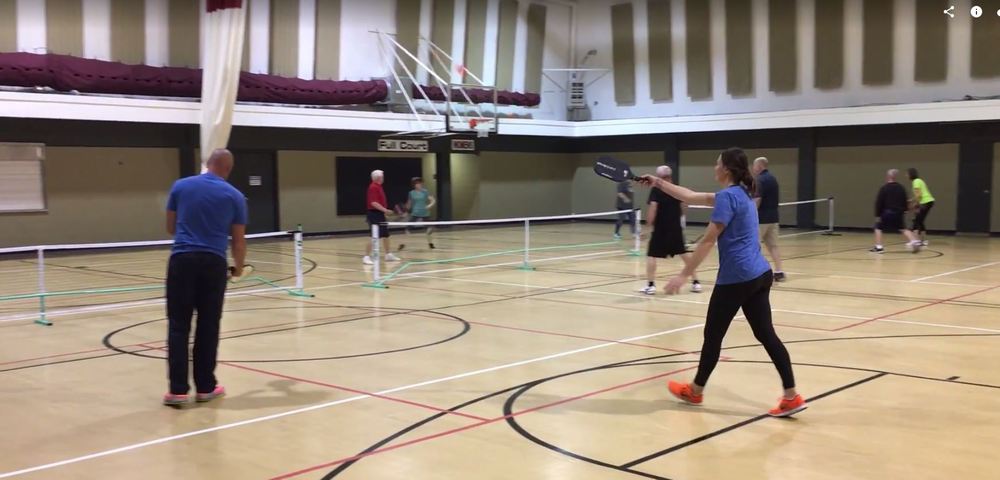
(881, 279)
(321, 406)
(643, 296)
(835, 315)
(960, 327)
(921, 279)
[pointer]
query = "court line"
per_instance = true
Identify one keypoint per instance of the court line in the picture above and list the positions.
(921, 279)
(941, 325)
(919, 307)
(643, 296)
(335, 387)
(480, 424)
(882, 279)
(744, 423)
(254, 420)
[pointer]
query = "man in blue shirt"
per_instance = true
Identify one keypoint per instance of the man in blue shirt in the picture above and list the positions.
(202, 213)
(766, 198)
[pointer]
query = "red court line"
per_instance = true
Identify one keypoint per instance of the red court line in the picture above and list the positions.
(338, 387)
(352, 390)
(475, 425)
(918, 307)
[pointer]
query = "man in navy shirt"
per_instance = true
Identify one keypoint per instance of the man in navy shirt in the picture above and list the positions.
(202, 213)
(766, 198)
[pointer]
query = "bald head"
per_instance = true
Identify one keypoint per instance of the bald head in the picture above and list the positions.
(891, 175)
(759, 165)
(220, 163)
(664, 171)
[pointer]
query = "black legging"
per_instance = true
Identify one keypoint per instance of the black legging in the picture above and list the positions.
(726, 301)
(918, 220)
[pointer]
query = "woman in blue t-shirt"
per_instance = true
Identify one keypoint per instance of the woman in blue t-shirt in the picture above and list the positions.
(744, 279)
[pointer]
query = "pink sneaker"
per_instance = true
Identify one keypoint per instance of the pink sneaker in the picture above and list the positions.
(219, 391)
(175, 400)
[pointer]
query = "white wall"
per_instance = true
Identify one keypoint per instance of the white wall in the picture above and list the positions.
(595, 27)
(359, 54)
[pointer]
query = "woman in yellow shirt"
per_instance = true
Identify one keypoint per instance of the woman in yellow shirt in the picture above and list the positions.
(922, 203)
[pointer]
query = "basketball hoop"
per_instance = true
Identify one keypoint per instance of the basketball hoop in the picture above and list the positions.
(482, 126)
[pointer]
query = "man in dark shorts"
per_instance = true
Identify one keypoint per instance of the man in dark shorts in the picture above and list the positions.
(667, 239)
(766, 198)
(375, 201)
(890, 206)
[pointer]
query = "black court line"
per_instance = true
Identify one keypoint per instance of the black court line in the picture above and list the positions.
(744, 423)
(652, 361)
(465, 327)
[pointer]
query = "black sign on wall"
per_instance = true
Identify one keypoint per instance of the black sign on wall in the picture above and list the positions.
(354, 175)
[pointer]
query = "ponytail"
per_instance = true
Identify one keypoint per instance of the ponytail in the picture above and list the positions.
(734, 160)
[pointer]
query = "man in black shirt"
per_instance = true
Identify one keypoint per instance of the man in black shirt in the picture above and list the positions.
(890, 206)
(667, 239)
(766, 197)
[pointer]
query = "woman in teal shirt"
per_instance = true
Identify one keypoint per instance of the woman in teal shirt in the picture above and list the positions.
(419, 203)
(744, 279)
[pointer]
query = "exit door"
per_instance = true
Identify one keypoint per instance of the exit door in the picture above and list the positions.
(255, 175)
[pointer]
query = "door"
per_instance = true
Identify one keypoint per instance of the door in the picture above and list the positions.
(975, 176)
(255, 174)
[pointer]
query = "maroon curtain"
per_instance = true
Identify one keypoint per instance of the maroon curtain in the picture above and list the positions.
(67, 73)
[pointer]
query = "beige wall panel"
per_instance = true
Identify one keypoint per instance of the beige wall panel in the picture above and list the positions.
(475, 35)
(408, 30)
(328, 40)
(8, 25)
(623, 53)
(854, 174)
(783, 45)
(285, 38)
(98, 195)
(184, 33)
(128, 31)
(931, 42)
(739, 48)
(661, 82)
(536, 49)
(829, 40)
(699, 49)
(877, 35)
(64, 26)
(442, 26)
(505, 44)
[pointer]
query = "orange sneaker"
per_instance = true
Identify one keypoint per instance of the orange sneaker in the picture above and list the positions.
(684, 392)
(787, 408)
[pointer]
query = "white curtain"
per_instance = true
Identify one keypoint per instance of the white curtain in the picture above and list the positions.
(225, 22)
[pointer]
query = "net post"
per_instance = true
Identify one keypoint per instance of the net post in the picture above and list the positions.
(637, 225)
(376, 271)
(300, 283)
(830, 226)
(42, 320)
(526, 265)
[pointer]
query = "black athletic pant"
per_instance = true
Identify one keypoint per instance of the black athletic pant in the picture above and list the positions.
(625, 217)
(918, 220)
(195, 281)
(726, 300)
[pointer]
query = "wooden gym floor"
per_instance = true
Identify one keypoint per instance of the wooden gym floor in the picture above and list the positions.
(457, 372)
